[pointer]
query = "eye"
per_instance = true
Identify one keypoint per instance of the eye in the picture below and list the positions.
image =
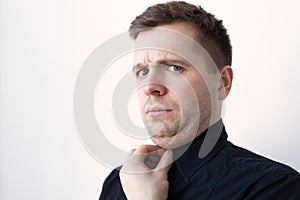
(142, 73)
(175, 68)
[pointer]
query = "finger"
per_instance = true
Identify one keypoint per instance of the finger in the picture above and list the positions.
(143, 149)
(165, 161)
(132, 150)
(154, 158)
(139, 155)
(160, 152)
(152, 148)
(150, 164)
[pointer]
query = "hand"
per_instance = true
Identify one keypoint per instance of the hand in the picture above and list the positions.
(144, 174)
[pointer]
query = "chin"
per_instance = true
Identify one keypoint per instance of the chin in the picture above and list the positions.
(168, 143)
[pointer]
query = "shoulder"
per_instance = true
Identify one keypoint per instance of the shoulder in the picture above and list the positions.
(113, 176)
(259, 177)
(112, 188)
(244, 159)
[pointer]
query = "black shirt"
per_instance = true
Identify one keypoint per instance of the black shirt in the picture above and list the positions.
(227, 172)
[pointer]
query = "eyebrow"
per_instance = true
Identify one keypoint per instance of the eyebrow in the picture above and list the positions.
(164, 62)
(138, 66)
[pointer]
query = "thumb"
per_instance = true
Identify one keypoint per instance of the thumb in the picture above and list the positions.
(166, 161)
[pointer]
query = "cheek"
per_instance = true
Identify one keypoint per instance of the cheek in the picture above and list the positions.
(201, 91)
(142, 99)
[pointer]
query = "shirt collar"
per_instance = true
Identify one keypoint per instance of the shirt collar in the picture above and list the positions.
(200, 150)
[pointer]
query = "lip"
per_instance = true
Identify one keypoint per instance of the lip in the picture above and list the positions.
(157, 110)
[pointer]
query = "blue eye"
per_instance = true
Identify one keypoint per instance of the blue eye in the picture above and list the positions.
(142, 72)
(175, 68)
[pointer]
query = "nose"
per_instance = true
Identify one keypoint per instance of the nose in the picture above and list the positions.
(154, 89)
(154, 84)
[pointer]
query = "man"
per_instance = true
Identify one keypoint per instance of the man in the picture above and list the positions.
(181, 90)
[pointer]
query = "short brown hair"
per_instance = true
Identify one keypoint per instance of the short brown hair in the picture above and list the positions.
(212, 35)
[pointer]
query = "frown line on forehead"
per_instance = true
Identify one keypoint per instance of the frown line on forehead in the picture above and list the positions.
(158, 57)
(179, 62)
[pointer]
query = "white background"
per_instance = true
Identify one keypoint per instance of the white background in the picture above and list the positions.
(44, 43)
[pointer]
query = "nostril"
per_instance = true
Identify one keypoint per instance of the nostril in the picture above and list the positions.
(155, 89)
(156, 92)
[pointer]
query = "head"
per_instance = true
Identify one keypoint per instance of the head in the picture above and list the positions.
(180, 94)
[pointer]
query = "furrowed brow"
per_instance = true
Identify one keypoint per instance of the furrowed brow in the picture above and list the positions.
(163, 62)
(173, 61)
(138, 66)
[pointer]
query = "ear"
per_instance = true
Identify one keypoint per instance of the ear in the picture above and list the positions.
(226, 76)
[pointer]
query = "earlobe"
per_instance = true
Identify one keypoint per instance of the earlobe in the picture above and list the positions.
(226, 76)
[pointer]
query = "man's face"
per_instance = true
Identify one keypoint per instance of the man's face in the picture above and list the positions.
(175, 101)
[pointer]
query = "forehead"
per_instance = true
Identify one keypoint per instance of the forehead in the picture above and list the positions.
(169, 41)
(154, 55)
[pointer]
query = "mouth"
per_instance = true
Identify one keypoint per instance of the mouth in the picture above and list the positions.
(157, 111)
